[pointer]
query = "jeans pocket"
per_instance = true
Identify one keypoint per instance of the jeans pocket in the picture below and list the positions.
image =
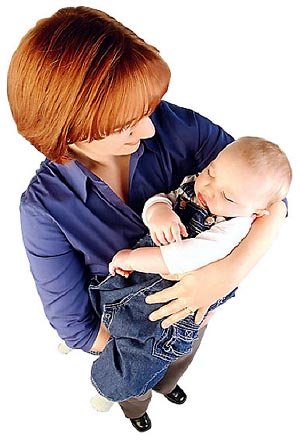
(176, 341)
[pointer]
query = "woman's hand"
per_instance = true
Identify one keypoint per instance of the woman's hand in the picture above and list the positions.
(197, 290)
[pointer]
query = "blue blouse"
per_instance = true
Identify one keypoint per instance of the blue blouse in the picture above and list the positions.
(73, 223)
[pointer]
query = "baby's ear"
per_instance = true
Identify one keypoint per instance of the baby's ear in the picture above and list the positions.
(261, 212)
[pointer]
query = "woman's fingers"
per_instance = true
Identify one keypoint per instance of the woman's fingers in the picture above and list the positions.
(163, 296)
(200, 315)
(175, 318)
(206, 320)
(184, 313)
(169, 309)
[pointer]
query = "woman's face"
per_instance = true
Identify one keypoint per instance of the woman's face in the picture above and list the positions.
(121, 143)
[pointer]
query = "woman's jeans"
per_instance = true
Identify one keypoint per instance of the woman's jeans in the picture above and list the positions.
(139, 351)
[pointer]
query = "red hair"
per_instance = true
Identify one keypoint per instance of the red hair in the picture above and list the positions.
(78, 75)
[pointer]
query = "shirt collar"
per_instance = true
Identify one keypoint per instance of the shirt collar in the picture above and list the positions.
(77, 174)
(150, 144)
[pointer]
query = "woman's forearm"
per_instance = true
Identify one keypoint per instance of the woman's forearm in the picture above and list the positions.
(242, 259)
(198, 289)
(259, 239)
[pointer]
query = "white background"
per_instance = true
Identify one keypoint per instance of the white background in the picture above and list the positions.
(236, 62)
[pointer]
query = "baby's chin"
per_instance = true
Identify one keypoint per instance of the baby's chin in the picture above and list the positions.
(224, 213)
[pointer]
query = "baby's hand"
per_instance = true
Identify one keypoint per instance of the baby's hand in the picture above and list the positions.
(120, 264)
(164, 225)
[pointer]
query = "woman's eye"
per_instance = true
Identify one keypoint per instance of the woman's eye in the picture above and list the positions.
(124, 129)
(128, 128)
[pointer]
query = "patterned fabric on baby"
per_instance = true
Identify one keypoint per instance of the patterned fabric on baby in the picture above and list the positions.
(196, 218)
(139, 351)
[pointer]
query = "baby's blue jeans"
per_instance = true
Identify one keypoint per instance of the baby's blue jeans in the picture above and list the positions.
(139, 351)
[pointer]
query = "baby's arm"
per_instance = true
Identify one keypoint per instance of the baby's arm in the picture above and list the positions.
(164, 224)
(207, 247)
(186, 255)
(144, 259)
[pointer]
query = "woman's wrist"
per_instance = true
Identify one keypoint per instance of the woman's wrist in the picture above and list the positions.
(262, 234)
(226, 278)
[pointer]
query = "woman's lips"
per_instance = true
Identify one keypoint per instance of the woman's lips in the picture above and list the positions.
(201, 200)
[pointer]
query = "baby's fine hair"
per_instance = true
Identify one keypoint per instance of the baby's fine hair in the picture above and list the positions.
(267, 158)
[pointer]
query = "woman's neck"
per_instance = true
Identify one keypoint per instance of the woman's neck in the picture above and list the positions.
(114, 172)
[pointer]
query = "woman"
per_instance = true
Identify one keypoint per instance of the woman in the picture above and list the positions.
(86, 92)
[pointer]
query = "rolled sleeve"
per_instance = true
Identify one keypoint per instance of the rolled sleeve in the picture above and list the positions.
(206, 247)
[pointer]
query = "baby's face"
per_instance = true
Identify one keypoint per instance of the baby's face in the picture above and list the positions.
(229, 188)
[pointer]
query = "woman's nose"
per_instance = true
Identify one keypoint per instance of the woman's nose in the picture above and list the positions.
(144, 129)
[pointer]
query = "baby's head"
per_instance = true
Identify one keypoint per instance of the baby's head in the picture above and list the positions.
(245, 178)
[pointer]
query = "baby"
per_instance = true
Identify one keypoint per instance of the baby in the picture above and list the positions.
(213, 211)
(239, 185)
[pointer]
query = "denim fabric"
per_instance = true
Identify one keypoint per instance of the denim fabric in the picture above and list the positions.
(73, 223)
(139, 351)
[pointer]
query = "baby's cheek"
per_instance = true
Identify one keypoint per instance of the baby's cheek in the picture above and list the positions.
(223, 210)
(217, 209)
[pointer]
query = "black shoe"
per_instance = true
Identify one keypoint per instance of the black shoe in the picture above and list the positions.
(177, 396)
(142, 423)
